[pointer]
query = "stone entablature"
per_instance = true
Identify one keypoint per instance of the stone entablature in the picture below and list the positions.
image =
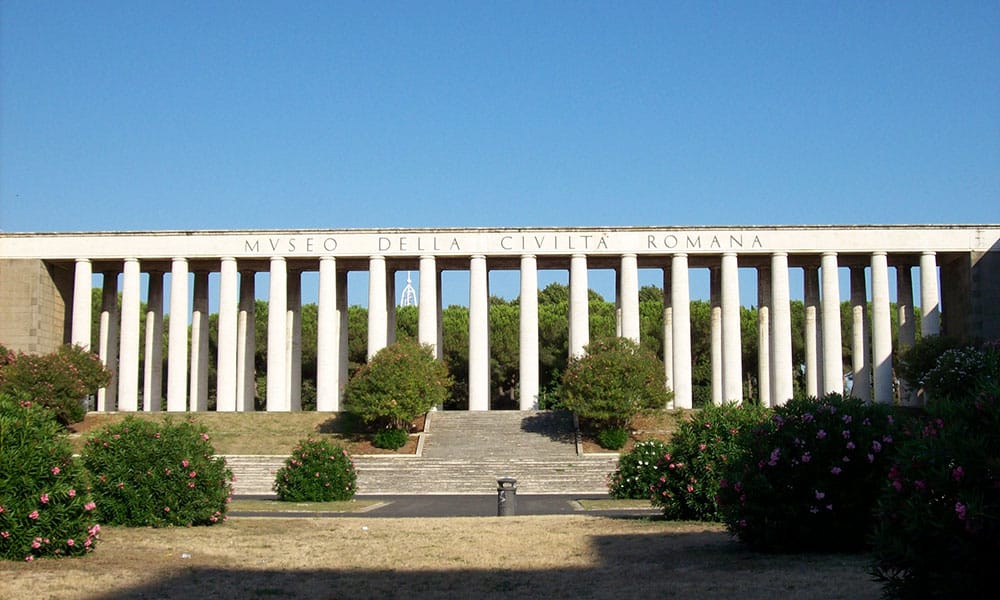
(494, 242)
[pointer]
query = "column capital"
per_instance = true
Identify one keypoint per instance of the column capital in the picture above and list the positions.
(830, 253)
(928, 253)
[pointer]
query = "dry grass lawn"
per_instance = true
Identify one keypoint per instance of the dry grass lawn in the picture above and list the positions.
(358, 557)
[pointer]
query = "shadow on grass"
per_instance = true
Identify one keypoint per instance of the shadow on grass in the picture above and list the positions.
(701, 563)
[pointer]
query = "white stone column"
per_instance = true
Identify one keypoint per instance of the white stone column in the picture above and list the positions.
(881, 330)
(390, 307)
(293, 342)
(833, 356)
(680, 302)
(277, 331)
(107, 397)
(479, 351)
(327, 338)
(764, 335)
(177, 337)
(860, 339)
(732, 347)
(128, 360)
(199, 344)
(377, 312)
(782, 387)
(906, 335)
(528, 348)
(427, 322)
(152, 380)
(229, 300)
(579, 306)
(630, 297)
(715, 323)
(811, 330)
(246, 344)
(440, 318)
(82, 276)
(904, 302)
(930, 303)
(668, 329)
(342, 314)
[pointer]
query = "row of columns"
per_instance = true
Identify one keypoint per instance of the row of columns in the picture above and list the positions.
(235, 390)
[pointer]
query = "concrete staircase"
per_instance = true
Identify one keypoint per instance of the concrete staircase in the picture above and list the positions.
(464, 453)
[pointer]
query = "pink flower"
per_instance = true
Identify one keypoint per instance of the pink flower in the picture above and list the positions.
(958, 473)
(835, 470)
(821, 434)
(185, 463)
(36, 543)
(70, 542)
(204, 436)
(89, 506)
(191, 485)
(29, 558)
(690, 488)
(820, 495)
(4, 534)
(193, 474)
(71, 493)
(806, 457)
(702, 447)
(44, 498)
(960, 510)
(166, 509)
(33, 515)
(55, 470)
(2, 508)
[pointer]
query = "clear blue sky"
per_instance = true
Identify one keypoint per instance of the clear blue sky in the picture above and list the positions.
(223, 115)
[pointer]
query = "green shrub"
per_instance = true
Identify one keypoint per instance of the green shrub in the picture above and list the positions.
(390, 439)
(612, 438)
(157, 474)
(613, 382)
(317, 471)
(699, 452)
(938, 518)
(401, 382)
(46, 508)
(810, 476)
(917, 360)
(60, 381)
(637, 470)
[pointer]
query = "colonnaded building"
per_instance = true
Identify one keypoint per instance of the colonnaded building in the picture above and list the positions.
(46, 280)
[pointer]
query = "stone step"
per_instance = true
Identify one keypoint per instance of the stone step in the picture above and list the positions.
(465, 452)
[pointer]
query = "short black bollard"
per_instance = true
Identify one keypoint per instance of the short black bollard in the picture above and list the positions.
(506, 497)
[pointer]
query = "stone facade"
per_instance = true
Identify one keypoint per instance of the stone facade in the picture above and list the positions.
(45, 282)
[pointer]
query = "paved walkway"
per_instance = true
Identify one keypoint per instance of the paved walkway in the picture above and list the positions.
(466, 505)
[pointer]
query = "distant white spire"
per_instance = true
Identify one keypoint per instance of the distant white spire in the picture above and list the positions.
(409, 297)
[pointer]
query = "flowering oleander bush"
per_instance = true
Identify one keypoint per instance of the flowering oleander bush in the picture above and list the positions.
(938, 531)
(60, 381)
(699, 452)
(46, 508)
(317, 471)
(637, 470)
(401, 382)
(810, 476)
(613, 382)
(157, 474)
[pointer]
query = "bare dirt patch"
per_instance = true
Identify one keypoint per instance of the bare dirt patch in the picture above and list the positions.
(358, 557)
(654, 426)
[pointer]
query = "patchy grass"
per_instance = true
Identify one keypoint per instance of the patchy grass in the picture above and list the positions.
(614, 504)
(488, 557)
(262, 432)
(277, 507)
